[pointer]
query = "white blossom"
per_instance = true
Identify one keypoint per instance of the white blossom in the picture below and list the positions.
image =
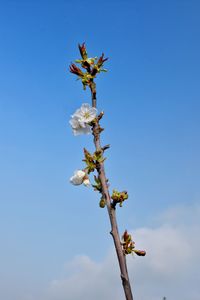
(78, 177)
(86, 182)
(81, 118)
(78, 127)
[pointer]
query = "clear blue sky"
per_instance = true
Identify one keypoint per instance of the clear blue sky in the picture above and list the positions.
(151, 100)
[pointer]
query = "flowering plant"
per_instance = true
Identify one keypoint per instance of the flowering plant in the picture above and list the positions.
(85, 120)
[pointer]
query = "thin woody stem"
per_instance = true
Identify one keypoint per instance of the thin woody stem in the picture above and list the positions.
(111, 210)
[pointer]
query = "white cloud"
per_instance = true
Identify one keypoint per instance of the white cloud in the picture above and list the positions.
(171, 267)
(88, 280)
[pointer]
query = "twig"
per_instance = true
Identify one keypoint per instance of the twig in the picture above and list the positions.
(111, 210)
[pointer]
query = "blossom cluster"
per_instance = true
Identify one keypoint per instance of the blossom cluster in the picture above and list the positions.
(81, 124)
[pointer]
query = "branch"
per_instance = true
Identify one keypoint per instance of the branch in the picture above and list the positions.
(111, 209)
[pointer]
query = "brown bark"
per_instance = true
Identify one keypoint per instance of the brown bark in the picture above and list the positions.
(111, 210)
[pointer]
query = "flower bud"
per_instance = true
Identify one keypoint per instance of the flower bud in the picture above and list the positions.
(102, 203)
(101, 60)
(125, 236)
(140, 252)
(86, 182)
(83, 51)
(78, 177)
(75, 70)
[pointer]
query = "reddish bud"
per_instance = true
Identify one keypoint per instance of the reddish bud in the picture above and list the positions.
(140, 252)
(83, 51)
(75, 70)
(101, 60)
(125, 236)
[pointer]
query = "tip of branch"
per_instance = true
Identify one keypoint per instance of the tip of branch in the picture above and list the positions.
(100, 115)
(105, 147)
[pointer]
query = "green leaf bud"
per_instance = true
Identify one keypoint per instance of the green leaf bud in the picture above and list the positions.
(102, 203)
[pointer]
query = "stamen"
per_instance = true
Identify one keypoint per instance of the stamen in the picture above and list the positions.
(87, 115)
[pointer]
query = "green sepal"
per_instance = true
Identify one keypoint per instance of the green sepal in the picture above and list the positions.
(97, 186)
(98, 156)
(78, 61)
(89, 160)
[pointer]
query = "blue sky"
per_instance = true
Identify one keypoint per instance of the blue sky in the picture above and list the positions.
(150, 96)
